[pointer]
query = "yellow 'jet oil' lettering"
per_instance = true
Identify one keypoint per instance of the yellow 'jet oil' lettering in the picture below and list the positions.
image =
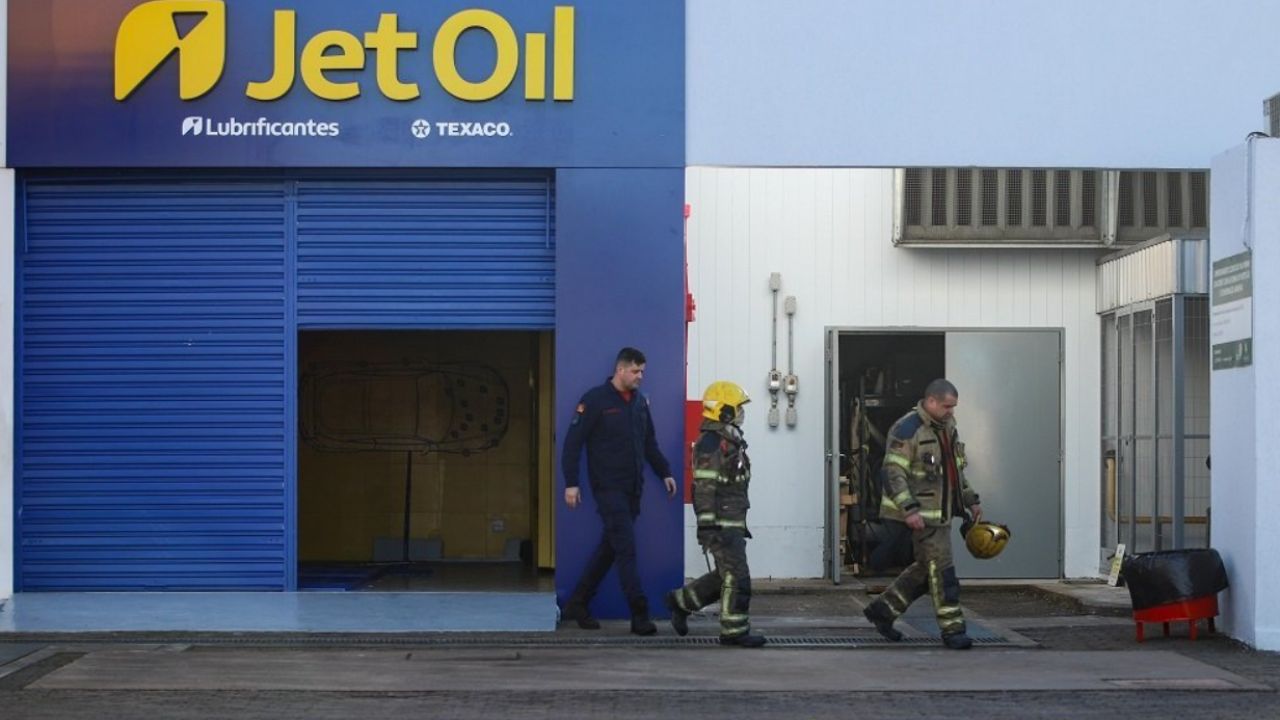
(314, 62)
(149, 34)
(564, 53)
(387, 43)
(504, 69)
(282, 76)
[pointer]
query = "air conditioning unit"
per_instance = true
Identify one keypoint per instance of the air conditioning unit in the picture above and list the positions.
(1271, 110)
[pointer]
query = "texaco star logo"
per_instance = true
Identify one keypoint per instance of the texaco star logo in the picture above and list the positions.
(420, 128)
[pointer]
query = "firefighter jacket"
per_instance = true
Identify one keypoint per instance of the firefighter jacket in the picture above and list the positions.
(721, 474)
(923, 470)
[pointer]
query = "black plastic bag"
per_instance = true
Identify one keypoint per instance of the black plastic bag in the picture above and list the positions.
(1169, 576)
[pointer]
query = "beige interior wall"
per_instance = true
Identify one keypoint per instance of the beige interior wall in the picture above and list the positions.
(472, 503)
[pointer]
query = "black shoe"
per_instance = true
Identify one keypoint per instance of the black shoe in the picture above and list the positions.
(744, 641)
(679, 618)
(880, 616)
(642, 625)
(580, 614)
(957, 641)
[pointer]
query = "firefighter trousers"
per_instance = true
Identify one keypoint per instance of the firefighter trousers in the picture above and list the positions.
(933, 573)
(730, 582)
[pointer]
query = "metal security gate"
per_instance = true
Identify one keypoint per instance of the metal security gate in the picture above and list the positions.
(156, 350)
(1155, 397)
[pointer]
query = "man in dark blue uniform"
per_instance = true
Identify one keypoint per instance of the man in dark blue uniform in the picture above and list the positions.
(612, 420)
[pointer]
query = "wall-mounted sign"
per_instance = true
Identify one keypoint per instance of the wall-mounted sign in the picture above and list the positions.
(1231, 321)
(530, 83)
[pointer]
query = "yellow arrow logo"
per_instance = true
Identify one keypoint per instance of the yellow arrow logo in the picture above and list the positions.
(152, 32)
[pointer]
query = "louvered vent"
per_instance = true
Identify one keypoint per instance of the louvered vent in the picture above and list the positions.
(1025, 206)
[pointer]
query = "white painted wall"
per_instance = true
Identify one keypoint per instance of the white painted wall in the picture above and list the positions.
(829, 233)
(1244, 489)
(892, 83)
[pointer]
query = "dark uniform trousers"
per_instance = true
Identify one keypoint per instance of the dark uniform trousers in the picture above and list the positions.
(729, 583)
(618, 512)
(932, 572)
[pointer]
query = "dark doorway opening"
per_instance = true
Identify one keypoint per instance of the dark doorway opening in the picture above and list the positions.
(424, 461)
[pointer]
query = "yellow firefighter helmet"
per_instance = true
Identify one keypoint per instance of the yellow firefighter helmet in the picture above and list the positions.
(723, 401)
(985, 539)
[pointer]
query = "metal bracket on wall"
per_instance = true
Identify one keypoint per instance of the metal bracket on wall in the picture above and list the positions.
(774, 381)
(791, 383)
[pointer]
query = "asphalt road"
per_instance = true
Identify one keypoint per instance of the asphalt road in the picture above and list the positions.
(1206, 676)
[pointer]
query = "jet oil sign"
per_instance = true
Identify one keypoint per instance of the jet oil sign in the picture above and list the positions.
(150, 34)
(330, 83)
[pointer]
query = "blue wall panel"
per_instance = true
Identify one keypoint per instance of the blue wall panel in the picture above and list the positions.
(155, 349)
(620, 281)
(627, 105)
(152, 439)
(472, 252)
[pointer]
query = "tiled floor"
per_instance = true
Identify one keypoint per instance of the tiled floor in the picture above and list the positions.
(368, 612)
(464, 577)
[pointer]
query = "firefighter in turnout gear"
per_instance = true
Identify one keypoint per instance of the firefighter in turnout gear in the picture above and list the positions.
(924, 486)
(721, 474)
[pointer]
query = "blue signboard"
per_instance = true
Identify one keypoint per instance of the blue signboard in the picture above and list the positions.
(328, 83)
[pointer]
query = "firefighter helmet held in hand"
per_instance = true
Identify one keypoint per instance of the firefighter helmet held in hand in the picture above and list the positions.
(723, 401)
(984, 539)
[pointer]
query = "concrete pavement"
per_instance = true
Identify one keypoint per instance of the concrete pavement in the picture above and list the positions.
(1066, 651)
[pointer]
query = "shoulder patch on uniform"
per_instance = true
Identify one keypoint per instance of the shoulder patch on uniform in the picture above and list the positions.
(906, 428)
(708, 443)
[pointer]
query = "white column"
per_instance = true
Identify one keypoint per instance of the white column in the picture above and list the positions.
(6, 323)
(6, 382)
(1246, 463)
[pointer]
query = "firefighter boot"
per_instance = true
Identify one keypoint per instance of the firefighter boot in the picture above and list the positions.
(577, 611)
(679, 618)
(957, 641)
(642, 625)
(882, 617)
(745, 640)
(640, 622)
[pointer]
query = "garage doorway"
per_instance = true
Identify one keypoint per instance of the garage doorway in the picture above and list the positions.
(424, 461)
(1009, 417)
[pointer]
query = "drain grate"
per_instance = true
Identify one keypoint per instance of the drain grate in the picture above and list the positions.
(33, 672)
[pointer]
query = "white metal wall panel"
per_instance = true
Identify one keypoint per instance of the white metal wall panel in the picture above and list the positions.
(1152, 271)
(1144, 274)
(829, 233)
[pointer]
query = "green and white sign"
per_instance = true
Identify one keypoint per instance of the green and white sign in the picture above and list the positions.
(1231, 323)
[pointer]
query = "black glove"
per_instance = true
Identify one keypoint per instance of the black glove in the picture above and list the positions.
(705, 534)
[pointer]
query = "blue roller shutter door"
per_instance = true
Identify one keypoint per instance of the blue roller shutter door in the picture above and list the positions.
(155, 393)
(456, 253)
(152, 392)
